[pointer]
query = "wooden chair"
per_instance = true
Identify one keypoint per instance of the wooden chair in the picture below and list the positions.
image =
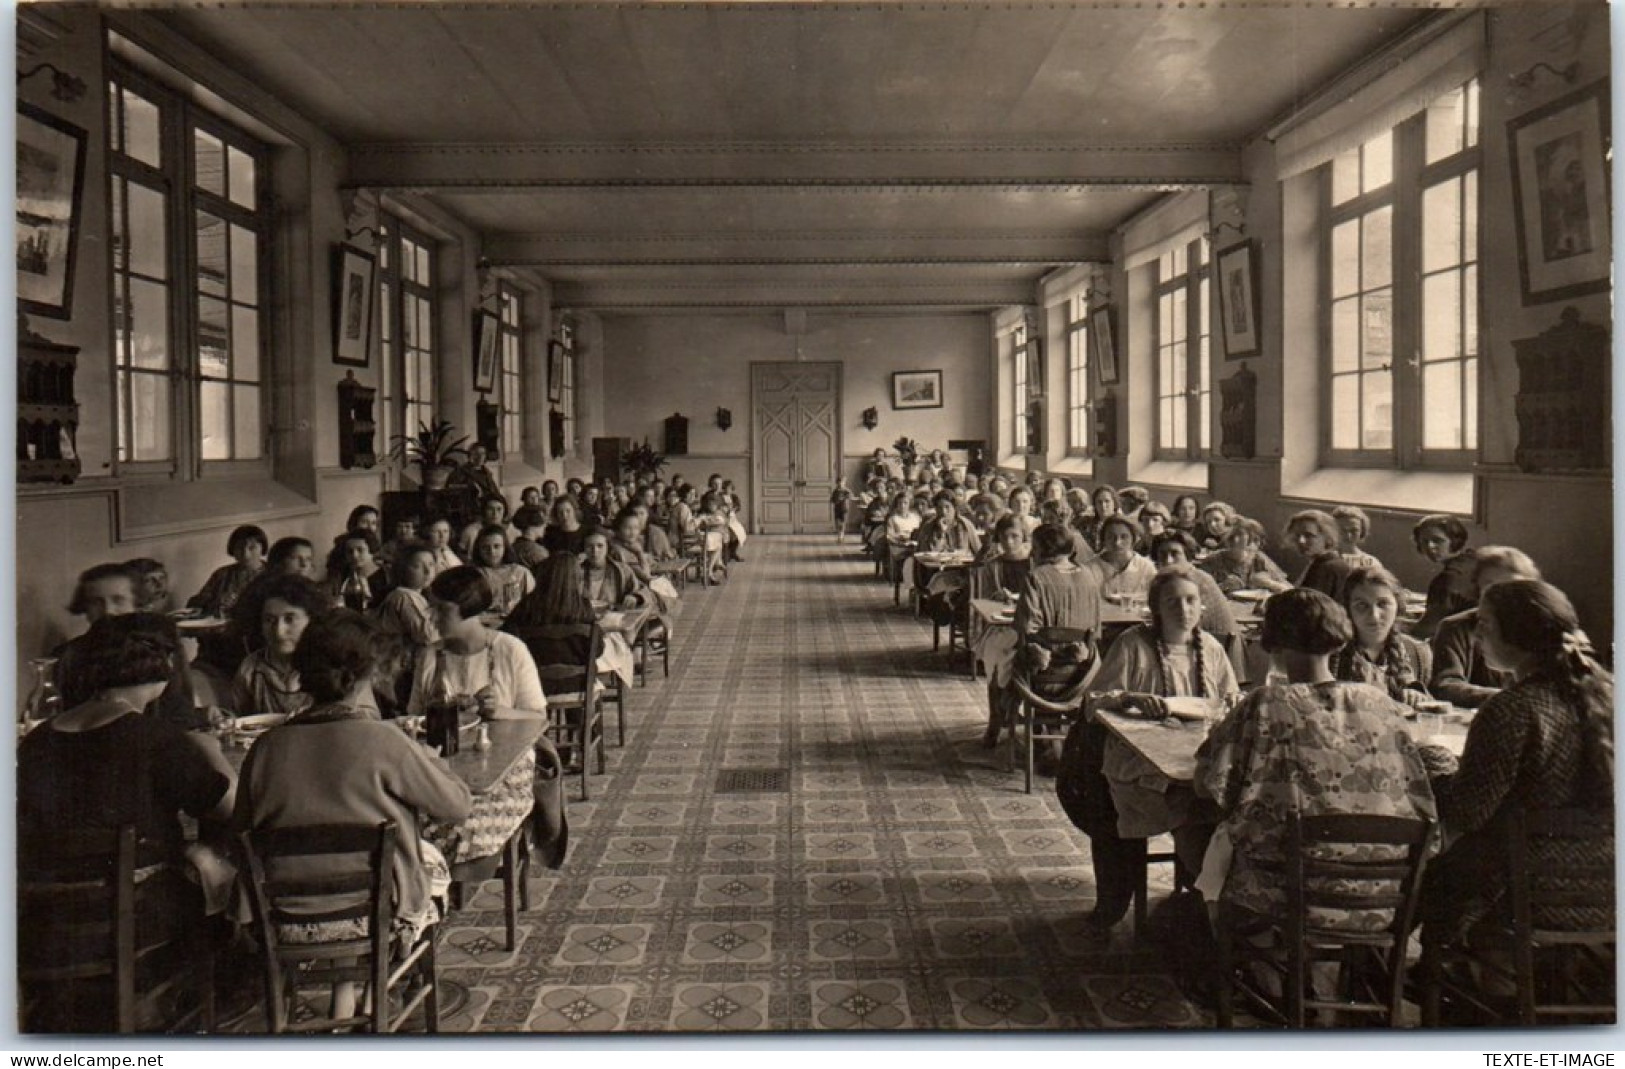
(566, 657)
(959, 623)
(1334, 863)
(1559, 926)
(354, 878)
(79, 934)
(1047, 712)
(653, 640)
(512, 867)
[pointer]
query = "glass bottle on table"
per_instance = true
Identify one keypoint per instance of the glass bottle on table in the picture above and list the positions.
(44, 700)
(354, 593)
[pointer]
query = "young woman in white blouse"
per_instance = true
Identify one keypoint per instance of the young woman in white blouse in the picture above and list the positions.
(472, 660)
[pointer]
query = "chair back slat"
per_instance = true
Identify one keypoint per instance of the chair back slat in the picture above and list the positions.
(1561, 870)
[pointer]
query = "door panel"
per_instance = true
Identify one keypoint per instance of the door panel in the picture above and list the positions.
(796, 443)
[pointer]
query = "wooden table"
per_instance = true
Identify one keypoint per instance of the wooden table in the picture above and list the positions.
(628, 623)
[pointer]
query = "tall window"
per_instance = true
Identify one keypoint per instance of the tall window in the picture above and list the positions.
(189, 233)
(510, 313)
(1184, 381)
(1018, 404)
(406, 312)
(567, 384)
(1401, 240)
(1077, 374)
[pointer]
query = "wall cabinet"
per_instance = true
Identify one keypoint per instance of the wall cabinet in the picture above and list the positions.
(47, 411)
(1563, 397)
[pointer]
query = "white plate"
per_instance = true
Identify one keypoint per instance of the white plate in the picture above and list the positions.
(1250, 595)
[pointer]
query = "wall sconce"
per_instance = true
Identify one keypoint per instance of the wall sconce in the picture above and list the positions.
(871, 418)
(68, 88)
(1525, 78)
(725, 419)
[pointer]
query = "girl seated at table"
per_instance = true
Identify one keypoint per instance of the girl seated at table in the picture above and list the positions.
(405, 609)
(1155, 520)
(1462, 675)
(1186, 515)
(1314, 535)
(947, 531)
(1119, 570)
(355, 577)
(1103, 783)
(1354, 527)
(1241, 564)
(509, 581)
(567, 531)
(608, 582)
(103, 763)
(405, 533)
(1023, 506)
(266, 681)
(472, 660)
(109, 590)
(369, 772)
(1057, 602)
(561, 598)
(592, 512)
(1103, 505)
(531, 524)
(1547, 741)
(711, 525)
(1007, 563)
(247, 548)
(1216, 520)
(1312, 745)
(152, 585)
(1060, 514)
(1379, 653)
(1443, 540)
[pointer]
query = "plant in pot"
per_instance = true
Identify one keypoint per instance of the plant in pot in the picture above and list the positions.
(642, 460)
(908, 451)
(434, 448)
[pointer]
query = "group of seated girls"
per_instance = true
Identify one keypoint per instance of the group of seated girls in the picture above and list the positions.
(1325, 729)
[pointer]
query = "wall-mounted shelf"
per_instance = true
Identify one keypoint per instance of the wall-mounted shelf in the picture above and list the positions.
(47, 411)
(358, 427)
(1563, 395)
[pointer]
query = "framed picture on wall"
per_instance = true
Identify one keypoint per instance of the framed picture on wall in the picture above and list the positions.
(1560, 196)
(353, 272)
(1103, 336)
(1035, 367)
(916, 389)
(555, 371)
(1238, 300)
(50, 178)
(487, 335)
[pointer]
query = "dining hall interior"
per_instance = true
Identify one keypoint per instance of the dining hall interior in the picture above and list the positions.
(729, 517)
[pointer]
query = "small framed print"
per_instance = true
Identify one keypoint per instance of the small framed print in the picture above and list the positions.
(1103, 335)
(353, 274)
(1560, 196)
(916, 389)
(50, 179)
(1238, 300)
(555, 372)
(487, 335)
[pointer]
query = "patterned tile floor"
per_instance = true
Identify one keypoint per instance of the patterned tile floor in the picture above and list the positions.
(898, 880)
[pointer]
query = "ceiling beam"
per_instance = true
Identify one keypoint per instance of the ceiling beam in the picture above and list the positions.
(844, 248)
(1018, 166)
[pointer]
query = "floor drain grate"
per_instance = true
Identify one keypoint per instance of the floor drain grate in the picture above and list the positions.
(752, 780)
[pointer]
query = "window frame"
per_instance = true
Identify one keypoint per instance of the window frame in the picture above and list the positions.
(1018, 367)
(1080, 398)
(567, 385)
(398, 404)
(174, 179)
(511, 371)
(1197, 389)
(1412, 177)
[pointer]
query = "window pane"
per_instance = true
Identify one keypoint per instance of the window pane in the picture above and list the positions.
(1179, 371)
(1346, 176)
(1470, 385)
(1376, 252)
(209, 159)
(1441, 225)
(1470, 210)
(149, 325)
(245, 344)
(1180, 415)
(149, 417)
(211, 254)
(1345, 335)
(1181, 316)
(386, 322)
(213, 343)
(216, 421)
(1469, 293)
(1444, 125)
(425, 338)
(242, 178)
(148, 247)
(1346, 258)
(245, 270)
(1165, 319)
(1377, 330)
(1346, 412)
(422, 254)
(1165, 423)
(1377, 411)
(141, 139)
(1378, 169)
(1441, 406)
(246, 436)
(1472, 112)
(1441, 316)
(1204, 426)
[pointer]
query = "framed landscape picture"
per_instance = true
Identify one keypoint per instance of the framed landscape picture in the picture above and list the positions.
(1104, 336)
(50, 178)
(487, 332)
(1560, 196)
(353, 276)
(916, 389)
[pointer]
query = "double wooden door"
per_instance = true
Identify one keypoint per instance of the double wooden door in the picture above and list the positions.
(796, 439)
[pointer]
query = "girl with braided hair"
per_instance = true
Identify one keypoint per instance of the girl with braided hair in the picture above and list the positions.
(1546, 741)
(1379, 653)
(1101, 779)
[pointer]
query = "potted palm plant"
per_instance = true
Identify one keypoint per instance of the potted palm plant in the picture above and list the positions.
(642, 460)
(908, 452)
(435, 448)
